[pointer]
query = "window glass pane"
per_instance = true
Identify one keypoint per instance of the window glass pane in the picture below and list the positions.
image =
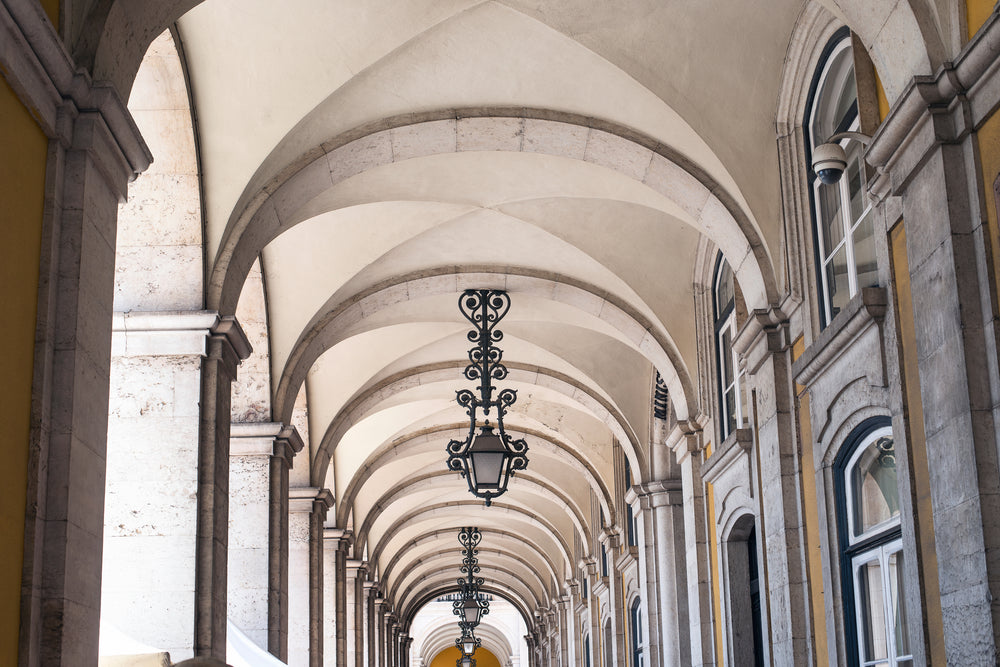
(871, 614)
(730, 399)
(855, 185)
(873, 483)
(831, 225)
(895, 568)
(837, 282)
(836, 96)
(725, 291)
(864, 252)
(726, 357)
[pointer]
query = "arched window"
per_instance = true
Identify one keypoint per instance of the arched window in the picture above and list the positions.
(635, 620)
(731, 404)
(845, 234)
(871, 547)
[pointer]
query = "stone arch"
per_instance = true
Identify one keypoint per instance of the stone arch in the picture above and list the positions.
(333, 323)
(430, 480)
(428, 593)
(443, 637)
(507, 565)
(513, 512)
(903, 38)
(532, 546)
(367, 401)
(433, 437)
(700, 201)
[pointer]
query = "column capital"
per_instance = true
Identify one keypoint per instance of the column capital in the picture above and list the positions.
(765, 332)
(341, 536)
(308, 498)
(611, 536)
(659, 493)
(360, 566)
(685, 438)
(265, 439)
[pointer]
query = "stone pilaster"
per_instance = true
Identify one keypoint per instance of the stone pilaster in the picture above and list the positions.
(663, 571)
(355, 580)
(686, 443)
(227, 346)
(95, 149)
(152, 508)
(260, 455)
(927, 153)
(765, 349)
(371, 633)
(338, 542)
(287, 444)
(307, 512)
(612, 541)
(567, 628)
(589, 565)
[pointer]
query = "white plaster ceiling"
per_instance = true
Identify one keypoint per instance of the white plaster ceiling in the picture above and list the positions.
(649, 125)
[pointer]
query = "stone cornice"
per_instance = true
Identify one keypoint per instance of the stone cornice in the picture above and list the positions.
(765, 332)
(38, 67)
(941, 108)
(303, 498)
(738, 443)
(162, 333)
(867, 308)
(656, 494)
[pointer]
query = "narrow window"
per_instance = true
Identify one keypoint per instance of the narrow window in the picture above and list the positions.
(586, 651)
(845, 233)
(635, 618)
(608, 652)
(604, 560)
(731, 403)
(632, 529)
(872, 548)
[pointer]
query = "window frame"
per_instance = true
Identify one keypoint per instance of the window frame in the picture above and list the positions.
(724, 320)
(881, 540)
(840, 42)
(635, 621)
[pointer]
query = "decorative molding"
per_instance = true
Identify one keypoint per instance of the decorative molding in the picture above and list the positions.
(36, 64)
(739, 443)
(765, 332)
(866, 309)
(942, 108)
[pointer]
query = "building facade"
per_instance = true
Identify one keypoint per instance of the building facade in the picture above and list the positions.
(761, 403)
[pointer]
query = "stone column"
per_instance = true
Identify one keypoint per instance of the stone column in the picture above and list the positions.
(338, 541)
(355, 579)
(370, 595)
(928, 153)
(154, 508)
(686, 443)
(260, 455)
(393, 648)
(286, 445)
(662, 571)
(258, 529)
(317, 517)
(589, 565)
(765, 348)
(567, 627)
(307, 512)
(95, 149)
(612, 540)
(380, 630)
(227, 346)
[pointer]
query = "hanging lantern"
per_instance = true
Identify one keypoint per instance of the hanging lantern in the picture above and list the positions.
(486, 460)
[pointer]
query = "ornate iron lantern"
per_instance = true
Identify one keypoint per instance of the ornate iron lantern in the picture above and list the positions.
(465, 661)
(470, 607)
(486, 460)
(468, 642)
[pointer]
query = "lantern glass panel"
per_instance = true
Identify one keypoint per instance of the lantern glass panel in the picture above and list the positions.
(471, 610)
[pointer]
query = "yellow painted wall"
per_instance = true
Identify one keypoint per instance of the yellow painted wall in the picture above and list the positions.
(23, 149)
(976, 13)
(448, 657)
(814, 553)
(713, 562)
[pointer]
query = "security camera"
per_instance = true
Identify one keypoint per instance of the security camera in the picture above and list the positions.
(829, 162)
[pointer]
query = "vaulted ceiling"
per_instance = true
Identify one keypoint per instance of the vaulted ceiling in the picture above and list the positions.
(376, 157)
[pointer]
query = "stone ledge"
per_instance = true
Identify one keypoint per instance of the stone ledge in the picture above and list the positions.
(738, 442)
(867, 308)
